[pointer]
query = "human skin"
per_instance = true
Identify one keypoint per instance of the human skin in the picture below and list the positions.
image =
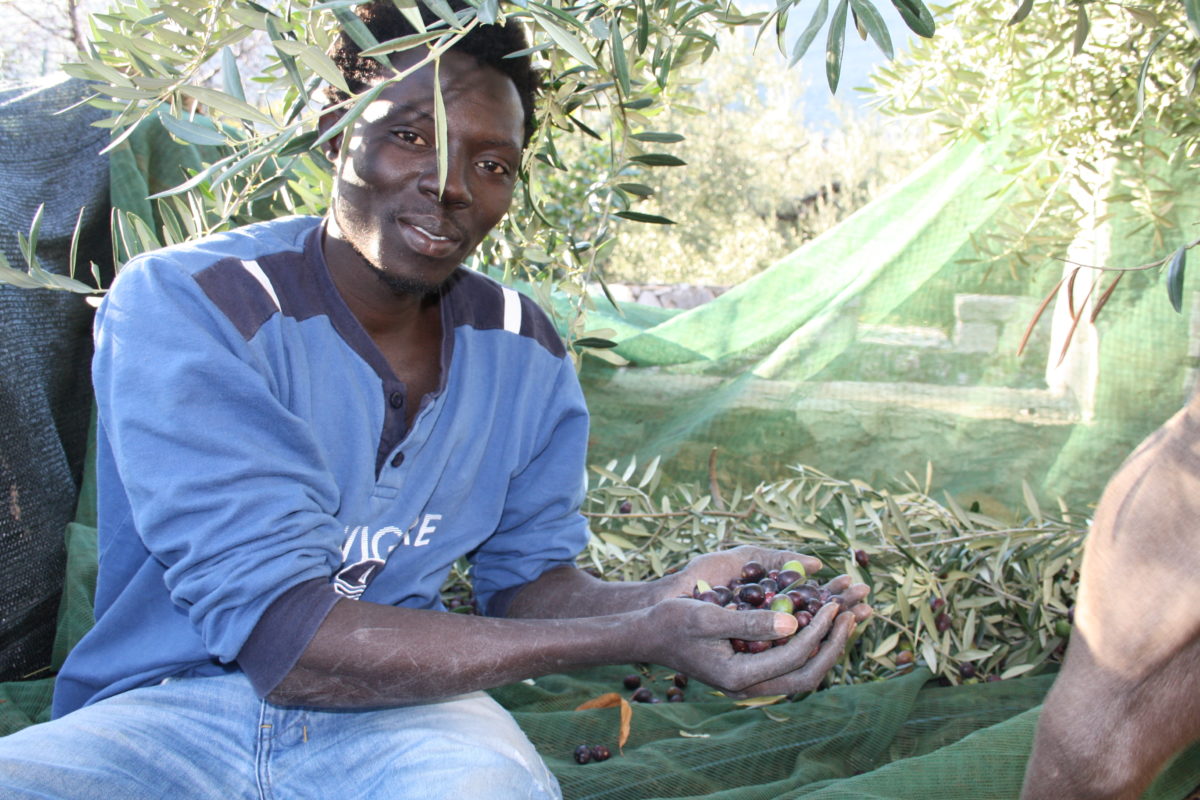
(1128, 696)
(370, 655)
(388, 220)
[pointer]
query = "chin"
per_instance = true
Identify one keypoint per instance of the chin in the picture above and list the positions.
(406, 285)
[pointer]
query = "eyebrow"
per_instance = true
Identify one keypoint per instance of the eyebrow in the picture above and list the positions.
(401, 109)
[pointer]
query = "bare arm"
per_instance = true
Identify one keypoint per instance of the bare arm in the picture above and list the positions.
(366, 654)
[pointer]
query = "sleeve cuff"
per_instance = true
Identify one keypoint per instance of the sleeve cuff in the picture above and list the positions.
(283, 632)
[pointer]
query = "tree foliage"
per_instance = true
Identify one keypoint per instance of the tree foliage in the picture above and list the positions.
(1097, 100)
(174, 63)
(761, 179)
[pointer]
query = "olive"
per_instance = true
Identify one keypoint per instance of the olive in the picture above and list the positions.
(752, 593)
(753, 572)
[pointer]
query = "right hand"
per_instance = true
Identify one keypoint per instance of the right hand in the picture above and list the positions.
(693, 637)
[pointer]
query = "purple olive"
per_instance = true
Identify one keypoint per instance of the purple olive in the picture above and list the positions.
(787, 577)
(753, 572)
(752, 593)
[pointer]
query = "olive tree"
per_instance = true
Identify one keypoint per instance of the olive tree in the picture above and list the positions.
(1097, 101)
(607, 67)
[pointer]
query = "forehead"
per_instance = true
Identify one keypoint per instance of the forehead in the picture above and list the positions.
(471, 91)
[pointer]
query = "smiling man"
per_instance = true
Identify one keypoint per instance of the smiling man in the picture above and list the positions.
(303, 425)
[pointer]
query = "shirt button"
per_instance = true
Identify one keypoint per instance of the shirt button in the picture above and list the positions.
(398, 459)
(396, 399)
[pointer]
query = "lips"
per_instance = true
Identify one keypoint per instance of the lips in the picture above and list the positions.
(430, 236)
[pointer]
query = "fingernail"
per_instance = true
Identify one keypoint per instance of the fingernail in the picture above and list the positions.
(785, 624)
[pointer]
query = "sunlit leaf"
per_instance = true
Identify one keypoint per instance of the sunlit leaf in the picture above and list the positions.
(566, 40)
(810, 31)
(226, 104)
(1192, 8)
(874, 24)
(404, 43)
(835, 42)
(620, 65)
(636, 216)
(658, 160)
(1082, 27)
(358, 32)
(231, 78)
(198, 130)
(661, 138)
(916, 16)
(1175, 278)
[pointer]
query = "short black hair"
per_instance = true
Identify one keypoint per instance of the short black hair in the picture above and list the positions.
(488, 44)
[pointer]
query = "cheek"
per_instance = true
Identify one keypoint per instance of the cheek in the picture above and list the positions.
(495, 205)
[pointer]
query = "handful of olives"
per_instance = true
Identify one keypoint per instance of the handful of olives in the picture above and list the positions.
(787, 590)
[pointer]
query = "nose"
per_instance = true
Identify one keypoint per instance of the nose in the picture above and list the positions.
(457, 190)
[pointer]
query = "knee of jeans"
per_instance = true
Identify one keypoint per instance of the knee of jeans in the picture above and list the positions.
(504, 774)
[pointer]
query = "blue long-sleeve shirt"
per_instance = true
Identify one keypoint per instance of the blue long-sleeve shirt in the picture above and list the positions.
(252, 439)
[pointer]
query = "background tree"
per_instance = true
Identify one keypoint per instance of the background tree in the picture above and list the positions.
(36, 38)
(175, 62)
(1097, 101)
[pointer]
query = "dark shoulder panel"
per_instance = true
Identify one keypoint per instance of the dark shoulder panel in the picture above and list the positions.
(485, 304)
(241, 290)
(536, 325)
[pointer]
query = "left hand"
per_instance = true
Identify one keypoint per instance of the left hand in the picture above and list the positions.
(717, 568)
(810, 667)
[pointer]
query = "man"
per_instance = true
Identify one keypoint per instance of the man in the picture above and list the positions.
(303, 424)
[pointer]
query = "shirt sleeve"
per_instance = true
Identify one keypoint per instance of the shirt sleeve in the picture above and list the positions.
(541, 526)
(226, 487)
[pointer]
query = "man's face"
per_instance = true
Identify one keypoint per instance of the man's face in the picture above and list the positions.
(386, 210)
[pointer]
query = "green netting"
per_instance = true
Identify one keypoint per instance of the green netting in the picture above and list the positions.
(908, 737)
(902, 738)
(884, 345)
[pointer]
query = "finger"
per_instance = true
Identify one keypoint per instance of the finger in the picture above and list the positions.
(785, 658)
(862, 612)
(775, 559)
(854, 594)
(760, 625)
(808, 677)
(839, 584)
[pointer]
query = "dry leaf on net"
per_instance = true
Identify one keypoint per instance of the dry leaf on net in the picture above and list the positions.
(608, 701)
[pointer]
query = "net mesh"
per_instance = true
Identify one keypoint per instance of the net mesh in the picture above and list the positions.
(887, 344)
(45, 389)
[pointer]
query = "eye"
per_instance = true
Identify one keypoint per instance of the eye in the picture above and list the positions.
(494, 167)
(409, 137)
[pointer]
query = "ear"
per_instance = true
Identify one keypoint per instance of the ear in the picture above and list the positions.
(329, 117)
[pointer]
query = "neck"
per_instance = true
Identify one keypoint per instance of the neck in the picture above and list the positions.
(382, 306)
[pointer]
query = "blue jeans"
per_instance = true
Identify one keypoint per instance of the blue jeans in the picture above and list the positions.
(214, 738)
